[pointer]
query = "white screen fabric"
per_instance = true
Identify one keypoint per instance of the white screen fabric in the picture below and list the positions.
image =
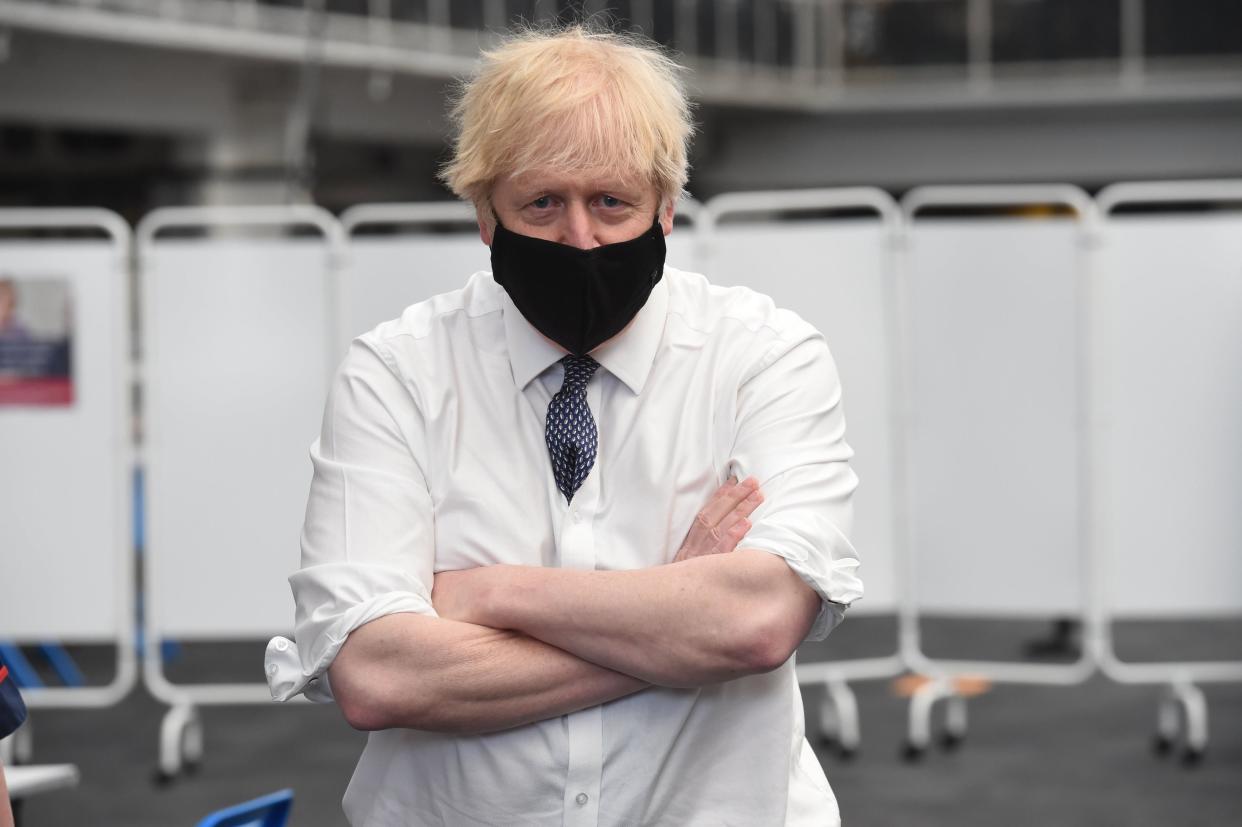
(64, 487)
(993, 363)
(236, 338)
(1172, 367)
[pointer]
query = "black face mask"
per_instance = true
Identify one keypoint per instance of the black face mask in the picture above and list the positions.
(578, 298)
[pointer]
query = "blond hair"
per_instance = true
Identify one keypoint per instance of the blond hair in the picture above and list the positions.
(570, 99)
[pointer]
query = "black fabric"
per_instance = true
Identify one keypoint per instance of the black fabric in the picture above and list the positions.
(578, 298)
(12, 707)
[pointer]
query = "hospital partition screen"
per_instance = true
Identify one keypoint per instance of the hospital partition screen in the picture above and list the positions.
(65, 444)
(828, 255)
(238, 344)
(1167, 434)
(992, 288)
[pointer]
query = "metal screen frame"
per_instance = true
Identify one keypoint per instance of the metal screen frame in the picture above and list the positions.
(94, 697)
(839, 719)
(181, 729)
(944, 671)
(1182, 709)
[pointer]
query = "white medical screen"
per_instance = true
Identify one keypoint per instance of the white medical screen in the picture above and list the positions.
(1171, 336)
(993, 360)
(64, 484)
(237, 357)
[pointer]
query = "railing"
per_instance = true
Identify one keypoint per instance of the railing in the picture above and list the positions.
(802, 54)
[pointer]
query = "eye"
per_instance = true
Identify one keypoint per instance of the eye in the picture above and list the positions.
(610, 201)
(542, 202)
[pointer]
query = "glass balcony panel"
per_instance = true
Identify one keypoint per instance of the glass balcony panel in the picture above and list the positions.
(1046, 30)
(1177, 28)
(906, 33)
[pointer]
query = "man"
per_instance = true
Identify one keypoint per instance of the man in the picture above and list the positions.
(509, 575)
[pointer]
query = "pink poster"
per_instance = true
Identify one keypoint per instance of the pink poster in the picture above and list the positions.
(36, 342)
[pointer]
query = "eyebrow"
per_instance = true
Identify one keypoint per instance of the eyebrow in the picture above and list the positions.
(596, 186)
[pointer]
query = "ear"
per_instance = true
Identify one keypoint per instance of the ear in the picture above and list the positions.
(666, 215)
(487, 224)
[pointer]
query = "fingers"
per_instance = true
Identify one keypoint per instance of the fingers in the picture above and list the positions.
(727, 497)
(722, 523)
(730, 537)
(718, 505)
(743, 509)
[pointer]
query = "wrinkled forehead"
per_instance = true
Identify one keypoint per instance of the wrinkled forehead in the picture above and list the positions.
(585, 180)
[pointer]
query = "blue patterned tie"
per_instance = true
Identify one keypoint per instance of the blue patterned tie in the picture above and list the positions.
(570, 429)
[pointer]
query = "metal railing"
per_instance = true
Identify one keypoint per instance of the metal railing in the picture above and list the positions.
(793, 54)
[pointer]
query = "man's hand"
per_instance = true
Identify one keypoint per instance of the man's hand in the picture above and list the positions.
(462, 595)
(722, 523)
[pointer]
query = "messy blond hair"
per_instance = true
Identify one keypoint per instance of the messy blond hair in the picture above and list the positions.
(570, 99)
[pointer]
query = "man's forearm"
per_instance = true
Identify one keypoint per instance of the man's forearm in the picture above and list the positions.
(695, 622)
(420, 672)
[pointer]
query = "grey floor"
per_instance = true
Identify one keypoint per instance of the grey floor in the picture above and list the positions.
(1033, 756)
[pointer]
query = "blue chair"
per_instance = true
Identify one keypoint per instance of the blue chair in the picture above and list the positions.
(268, 811)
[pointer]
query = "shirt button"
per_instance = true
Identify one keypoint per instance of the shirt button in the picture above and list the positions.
(582, 799)
(282, 645)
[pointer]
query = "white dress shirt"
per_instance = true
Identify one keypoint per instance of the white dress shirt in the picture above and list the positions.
(432, 457)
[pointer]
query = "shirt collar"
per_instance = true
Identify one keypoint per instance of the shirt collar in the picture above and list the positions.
(627, 356)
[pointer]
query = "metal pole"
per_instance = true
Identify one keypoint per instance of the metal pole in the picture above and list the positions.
(494, 15)
(979, 44)
(763, 18)
(834, 44)
(804, 42)
(686, 28)
(439, 21)
(642, 17)
(726, 34)
(1132, 36)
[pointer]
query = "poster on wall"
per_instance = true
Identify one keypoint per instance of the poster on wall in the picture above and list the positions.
(36, 338)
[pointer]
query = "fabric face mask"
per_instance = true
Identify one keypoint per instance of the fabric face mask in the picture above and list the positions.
(578, 298)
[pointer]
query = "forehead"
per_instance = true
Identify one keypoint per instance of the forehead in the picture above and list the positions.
(576, 181)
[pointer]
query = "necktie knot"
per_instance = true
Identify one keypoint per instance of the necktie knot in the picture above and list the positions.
(578, 371)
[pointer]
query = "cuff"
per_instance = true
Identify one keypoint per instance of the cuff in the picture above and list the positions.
(831, 575)
(292, 669)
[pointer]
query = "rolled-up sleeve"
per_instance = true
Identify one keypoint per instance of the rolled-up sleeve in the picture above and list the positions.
(790, 435)
(368, 541)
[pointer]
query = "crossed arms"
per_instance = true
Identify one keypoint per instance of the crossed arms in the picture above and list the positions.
(517, 644)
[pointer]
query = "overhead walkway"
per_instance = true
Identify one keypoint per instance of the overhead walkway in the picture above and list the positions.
(806, 55)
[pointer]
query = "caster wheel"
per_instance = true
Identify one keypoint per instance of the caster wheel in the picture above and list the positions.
(192, 767)
(1192, 757)
(950, 741)
(162, 780)
(847, 753)
(1162, 745)
(912, 753)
